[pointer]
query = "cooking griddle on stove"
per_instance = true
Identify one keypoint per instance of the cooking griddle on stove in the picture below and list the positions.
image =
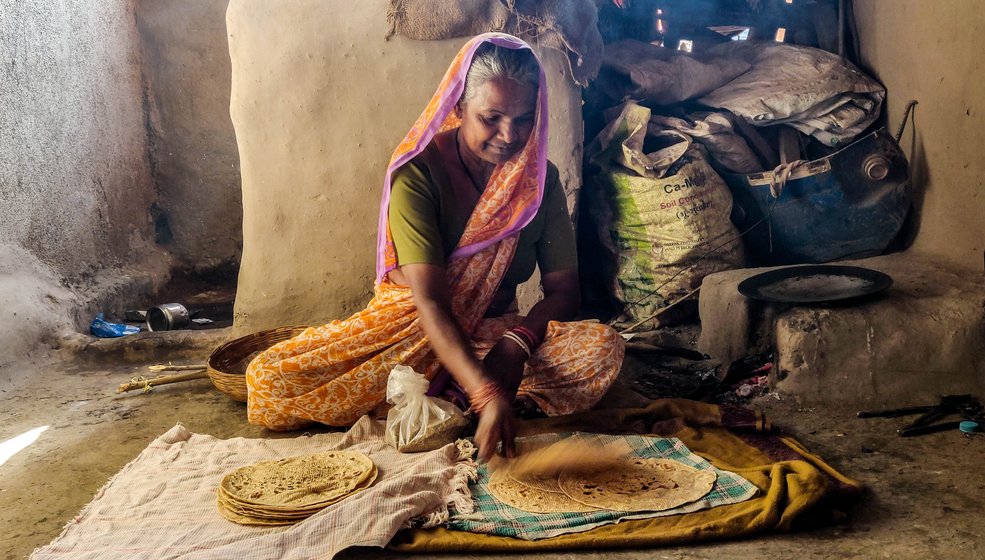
(815, 284)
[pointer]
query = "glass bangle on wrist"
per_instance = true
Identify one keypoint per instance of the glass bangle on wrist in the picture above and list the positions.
(519, 341)
(485, 395)
(532, 340)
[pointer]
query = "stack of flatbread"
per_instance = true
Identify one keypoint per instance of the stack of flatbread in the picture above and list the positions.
(287, 491)
(573, 476)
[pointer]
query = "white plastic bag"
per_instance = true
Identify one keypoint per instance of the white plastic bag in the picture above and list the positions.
(418, 422)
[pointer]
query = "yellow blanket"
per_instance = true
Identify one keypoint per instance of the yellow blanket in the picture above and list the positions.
(792, 481)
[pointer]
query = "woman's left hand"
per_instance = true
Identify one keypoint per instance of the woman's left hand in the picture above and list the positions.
(504, 363)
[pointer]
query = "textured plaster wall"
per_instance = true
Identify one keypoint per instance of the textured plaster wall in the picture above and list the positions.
(74, 177)
(192, 143)
(319, 101)
(934, 52)
(75, 181)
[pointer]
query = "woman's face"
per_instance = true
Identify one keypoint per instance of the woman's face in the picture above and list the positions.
(498, 119)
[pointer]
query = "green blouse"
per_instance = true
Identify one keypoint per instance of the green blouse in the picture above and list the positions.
(428, 214)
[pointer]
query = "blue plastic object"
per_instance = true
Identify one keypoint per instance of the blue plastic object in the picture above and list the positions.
(969, 426)
(104, 329)
(851, 204)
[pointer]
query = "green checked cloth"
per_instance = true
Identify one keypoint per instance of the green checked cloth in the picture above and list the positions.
(496, 518)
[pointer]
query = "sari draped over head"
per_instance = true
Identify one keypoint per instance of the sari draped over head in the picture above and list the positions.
(335, 373)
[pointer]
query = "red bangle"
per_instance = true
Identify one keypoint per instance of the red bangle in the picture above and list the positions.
(485, 395)
(528, 334)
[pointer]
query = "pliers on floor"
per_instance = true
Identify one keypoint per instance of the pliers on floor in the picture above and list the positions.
(966, 406)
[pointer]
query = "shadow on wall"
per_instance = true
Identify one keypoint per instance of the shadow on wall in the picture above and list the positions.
(198, 213)
(919, 180)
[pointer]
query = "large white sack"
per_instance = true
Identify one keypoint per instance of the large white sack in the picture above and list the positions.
(814, 91)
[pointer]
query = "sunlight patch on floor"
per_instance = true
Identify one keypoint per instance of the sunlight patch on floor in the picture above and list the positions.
(16, 444)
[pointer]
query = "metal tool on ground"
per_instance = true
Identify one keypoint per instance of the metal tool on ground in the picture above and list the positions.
(167, 317)
(966, 406)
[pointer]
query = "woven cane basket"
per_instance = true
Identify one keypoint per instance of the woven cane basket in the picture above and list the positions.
(227, 364)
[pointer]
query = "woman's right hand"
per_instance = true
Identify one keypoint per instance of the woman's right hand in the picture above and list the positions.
(429, 286)
(495, 426)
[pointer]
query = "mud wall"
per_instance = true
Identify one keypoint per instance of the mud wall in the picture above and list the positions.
(75, 180)
(934, 52)
(192, 145)
(319, 101)
(74, 177)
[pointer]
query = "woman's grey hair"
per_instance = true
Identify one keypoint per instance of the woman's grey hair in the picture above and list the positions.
(492, 62)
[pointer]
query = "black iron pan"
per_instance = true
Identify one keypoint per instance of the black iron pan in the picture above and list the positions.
(815, 284)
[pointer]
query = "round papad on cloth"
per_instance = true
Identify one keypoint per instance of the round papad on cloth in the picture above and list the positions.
(639, 485)
(530, 482)
(544, 498)
(289, 490)
(539, 466)
(545, 482)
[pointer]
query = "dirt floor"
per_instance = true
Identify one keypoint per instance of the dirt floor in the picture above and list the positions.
(924, 499)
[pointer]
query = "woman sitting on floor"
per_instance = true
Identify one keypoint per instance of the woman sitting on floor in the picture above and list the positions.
(470, 205)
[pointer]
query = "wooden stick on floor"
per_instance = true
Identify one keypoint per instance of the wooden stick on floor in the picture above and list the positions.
(147, 384)
(661, 310)
(170, 367)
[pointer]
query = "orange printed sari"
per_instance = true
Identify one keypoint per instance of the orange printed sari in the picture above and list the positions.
(335, 373)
